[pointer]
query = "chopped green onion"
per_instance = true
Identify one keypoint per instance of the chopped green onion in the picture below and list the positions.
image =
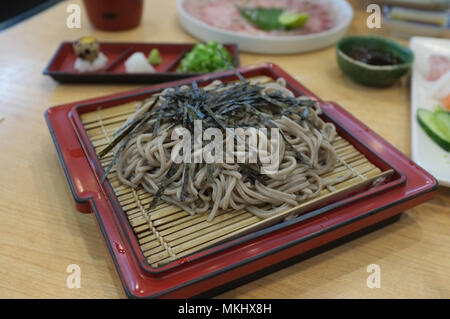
(205, 57)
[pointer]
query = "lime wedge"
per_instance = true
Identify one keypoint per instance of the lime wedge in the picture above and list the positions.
(293, 20)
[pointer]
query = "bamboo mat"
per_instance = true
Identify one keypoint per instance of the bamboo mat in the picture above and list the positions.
(168, 233)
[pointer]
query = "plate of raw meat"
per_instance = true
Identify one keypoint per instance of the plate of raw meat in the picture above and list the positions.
(267, 26)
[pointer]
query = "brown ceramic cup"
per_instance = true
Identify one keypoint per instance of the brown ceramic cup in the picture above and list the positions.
(114, 15)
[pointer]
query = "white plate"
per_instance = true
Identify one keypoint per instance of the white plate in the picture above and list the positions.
(342, 12)
(425, 151)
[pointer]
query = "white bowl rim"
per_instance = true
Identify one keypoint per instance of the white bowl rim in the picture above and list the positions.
(283, 38)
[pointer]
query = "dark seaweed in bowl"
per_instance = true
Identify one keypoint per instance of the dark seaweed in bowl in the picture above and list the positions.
(373, 60)
(373, 56)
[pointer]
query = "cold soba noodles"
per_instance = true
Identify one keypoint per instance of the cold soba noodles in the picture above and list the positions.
(144, 147)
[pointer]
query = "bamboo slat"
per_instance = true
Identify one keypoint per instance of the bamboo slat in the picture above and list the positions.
(168, 233)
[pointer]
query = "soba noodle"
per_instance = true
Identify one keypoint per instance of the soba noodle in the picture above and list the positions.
(144, 159)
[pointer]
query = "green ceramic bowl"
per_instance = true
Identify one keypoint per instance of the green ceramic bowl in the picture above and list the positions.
(373, 75)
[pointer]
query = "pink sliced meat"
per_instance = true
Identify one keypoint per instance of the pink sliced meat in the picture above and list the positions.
(439, 65)
(223, 14)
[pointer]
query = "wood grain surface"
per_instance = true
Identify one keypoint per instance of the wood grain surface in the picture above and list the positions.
(41, 233)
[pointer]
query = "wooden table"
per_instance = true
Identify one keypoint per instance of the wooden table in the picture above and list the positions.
(41, 233)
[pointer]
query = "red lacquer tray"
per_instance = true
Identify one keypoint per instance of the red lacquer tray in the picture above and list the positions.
(61, 66)
(229, 264)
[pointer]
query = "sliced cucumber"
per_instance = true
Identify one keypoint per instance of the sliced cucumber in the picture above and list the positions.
(443, 118)
(436, 125)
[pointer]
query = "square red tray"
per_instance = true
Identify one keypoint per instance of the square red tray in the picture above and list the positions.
(222, 266)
